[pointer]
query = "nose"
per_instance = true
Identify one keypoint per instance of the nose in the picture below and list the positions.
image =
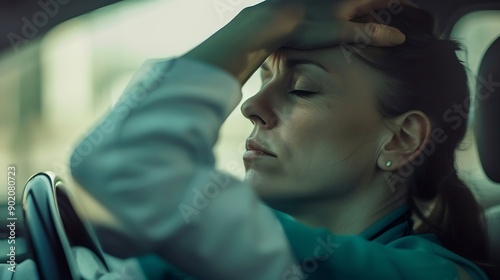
(259, 109)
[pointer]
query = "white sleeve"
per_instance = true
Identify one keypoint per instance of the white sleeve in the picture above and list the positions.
(150, 163)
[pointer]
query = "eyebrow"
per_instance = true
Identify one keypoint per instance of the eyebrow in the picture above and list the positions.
(291, 63)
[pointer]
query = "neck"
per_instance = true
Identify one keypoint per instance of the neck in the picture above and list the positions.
(351, 213)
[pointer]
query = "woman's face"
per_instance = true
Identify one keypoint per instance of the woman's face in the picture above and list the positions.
(325, 143)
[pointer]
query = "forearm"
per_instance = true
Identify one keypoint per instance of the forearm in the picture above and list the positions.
(154, 171)
(241, 46)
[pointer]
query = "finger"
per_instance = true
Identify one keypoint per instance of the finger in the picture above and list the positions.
(386, 36)
(377, 35)
(321, 35)
(352, 9)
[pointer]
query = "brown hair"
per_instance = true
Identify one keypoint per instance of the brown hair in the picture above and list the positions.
(425, 74)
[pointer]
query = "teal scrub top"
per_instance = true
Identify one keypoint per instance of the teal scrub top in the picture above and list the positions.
(388, 249)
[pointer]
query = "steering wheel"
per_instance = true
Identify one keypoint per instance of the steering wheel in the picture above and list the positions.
(53, 227)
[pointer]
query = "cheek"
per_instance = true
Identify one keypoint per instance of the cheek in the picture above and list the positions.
(336, 132)
(329, 146)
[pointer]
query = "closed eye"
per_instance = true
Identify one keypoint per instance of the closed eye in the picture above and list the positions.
(301, 93)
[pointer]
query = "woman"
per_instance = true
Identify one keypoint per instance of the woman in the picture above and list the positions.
(349, 139)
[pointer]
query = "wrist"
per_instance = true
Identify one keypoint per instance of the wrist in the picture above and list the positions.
(241, 46)
(274, 23)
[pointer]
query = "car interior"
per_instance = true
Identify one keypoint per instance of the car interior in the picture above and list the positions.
(53, 230)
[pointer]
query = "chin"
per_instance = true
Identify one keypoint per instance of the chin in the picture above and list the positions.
(264, 187)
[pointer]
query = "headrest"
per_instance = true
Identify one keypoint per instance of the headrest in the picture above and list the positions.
(487, 112)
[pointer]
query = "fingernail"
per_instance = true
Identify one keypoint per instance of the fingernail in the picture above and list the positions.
(396, 38)
(410, 3)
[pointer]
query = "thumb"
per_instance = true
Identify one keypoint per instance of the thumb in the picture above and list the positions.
(373, 34)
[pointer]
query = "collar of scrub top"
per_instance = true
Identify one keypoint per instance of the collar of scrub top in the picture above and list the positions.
(395, 225)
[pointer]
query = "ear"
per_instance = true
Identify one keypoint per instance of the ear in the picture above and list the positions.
(405, 141)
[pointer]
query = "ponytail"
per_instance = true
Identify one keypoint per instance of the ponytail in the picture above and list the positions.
(454, 216)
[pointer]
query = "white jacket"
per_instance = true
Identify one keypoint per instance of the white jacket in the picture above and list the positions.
(150, 162)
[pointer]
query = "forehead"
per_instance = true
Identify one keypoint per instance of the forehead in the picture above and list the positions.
(330, 59)
(338, 62)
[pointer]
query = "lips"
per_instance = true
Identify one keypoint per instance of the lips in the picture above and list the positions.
(254, 146)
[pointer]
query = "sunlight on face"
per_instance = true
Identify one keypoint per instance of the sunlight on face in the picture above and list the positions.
(316, 113)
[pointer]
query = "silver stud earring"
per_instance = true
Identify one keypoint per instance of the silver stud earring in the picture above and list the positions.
(388, 163)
